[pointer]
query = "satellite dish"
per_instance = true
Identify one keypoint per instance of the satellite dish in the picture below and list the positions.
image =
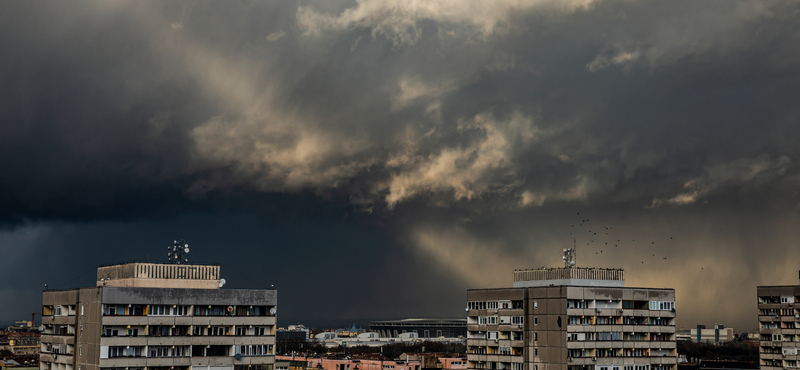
(466, 309)
(273, 311)
(41, 328)
(186, 250)
(222, 282)
(238, 356)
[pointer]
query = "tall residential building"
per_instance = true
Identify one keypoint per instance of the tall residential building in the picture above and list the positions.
(777, 319)
(148, 316)
(571, 319)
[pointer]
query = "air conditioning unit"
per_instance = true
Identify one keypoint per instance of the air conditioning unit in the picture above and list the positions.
(594, 358)
(570, 359)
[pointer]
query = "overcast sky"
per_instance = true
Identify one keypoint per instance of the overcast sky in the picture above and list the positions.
(376, 158)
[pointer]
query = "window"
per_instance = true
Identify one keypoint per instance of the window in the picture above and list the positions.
(57, 311)
(254, 349)
(662, 305)
(516, 366)
(482, 320)
(535, 336)
(505, 305)
(536, 352)
(575, 303)
(165, 310)
(240, 331)
(535, 321)
(627, 304)
(517, 320)
(608, 336)
(492, 335)
(504, 350)
(491, 305)
(81, 309)
(81, 330)
(198, 330)
(217, 330)
(80, 350)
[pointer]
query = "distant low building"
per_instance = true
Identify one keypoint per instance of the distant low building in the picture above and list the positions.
(373, 339)
(425, 328)
(453, 363)
(717, 334)
(288, 334)
(307, 363)
(24, 343)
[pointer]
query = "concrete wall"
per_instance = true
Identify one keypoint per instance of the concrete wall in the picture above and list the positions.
(89, 328)
(156, 296)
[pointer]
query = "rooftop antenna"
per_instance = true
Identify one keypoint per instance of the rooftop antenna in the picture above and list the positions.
(177, 251)
(571, 255)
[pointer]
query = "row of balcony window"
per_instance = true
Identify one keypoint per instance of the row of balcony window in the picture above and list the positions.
(189, 351)
(621, 352)
(164, 310)
(577, 303)
(620, 320)
(165, 330)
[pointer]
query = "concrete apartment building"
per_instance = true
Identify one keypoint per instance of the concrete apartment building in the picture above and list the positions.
(571, 319)
(777, 320)
(146, 316)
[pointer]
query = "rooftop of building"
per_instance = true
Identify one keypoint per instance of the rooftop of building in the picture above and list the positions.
(594, 273)
(159, 275)
(559, 276)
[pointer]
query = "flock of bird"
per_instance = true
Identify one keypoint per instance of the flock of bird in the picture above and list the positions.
(598, 240)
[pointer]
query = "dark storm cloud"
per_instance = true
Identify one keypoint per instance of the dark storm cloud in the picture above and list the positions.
(464, 133)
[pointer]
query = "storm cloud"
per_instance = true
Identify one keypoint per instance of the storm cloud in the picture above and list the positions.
(382, 156)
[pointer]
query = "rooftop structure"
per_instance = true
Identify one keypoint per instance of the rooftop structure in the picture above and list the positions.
(159, 275)
(578, 276)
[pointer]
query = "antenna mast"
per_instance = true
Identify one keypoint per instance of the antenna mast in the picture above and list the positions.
(177, 252)
(571, 255)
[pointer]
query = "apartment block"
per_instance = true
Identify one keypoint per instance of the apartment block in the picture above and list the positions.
(571, 319)
(777, 320)
(147, 316)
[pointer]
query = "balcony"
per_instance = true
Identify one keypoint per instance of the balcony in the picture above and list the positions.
(59, 358)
